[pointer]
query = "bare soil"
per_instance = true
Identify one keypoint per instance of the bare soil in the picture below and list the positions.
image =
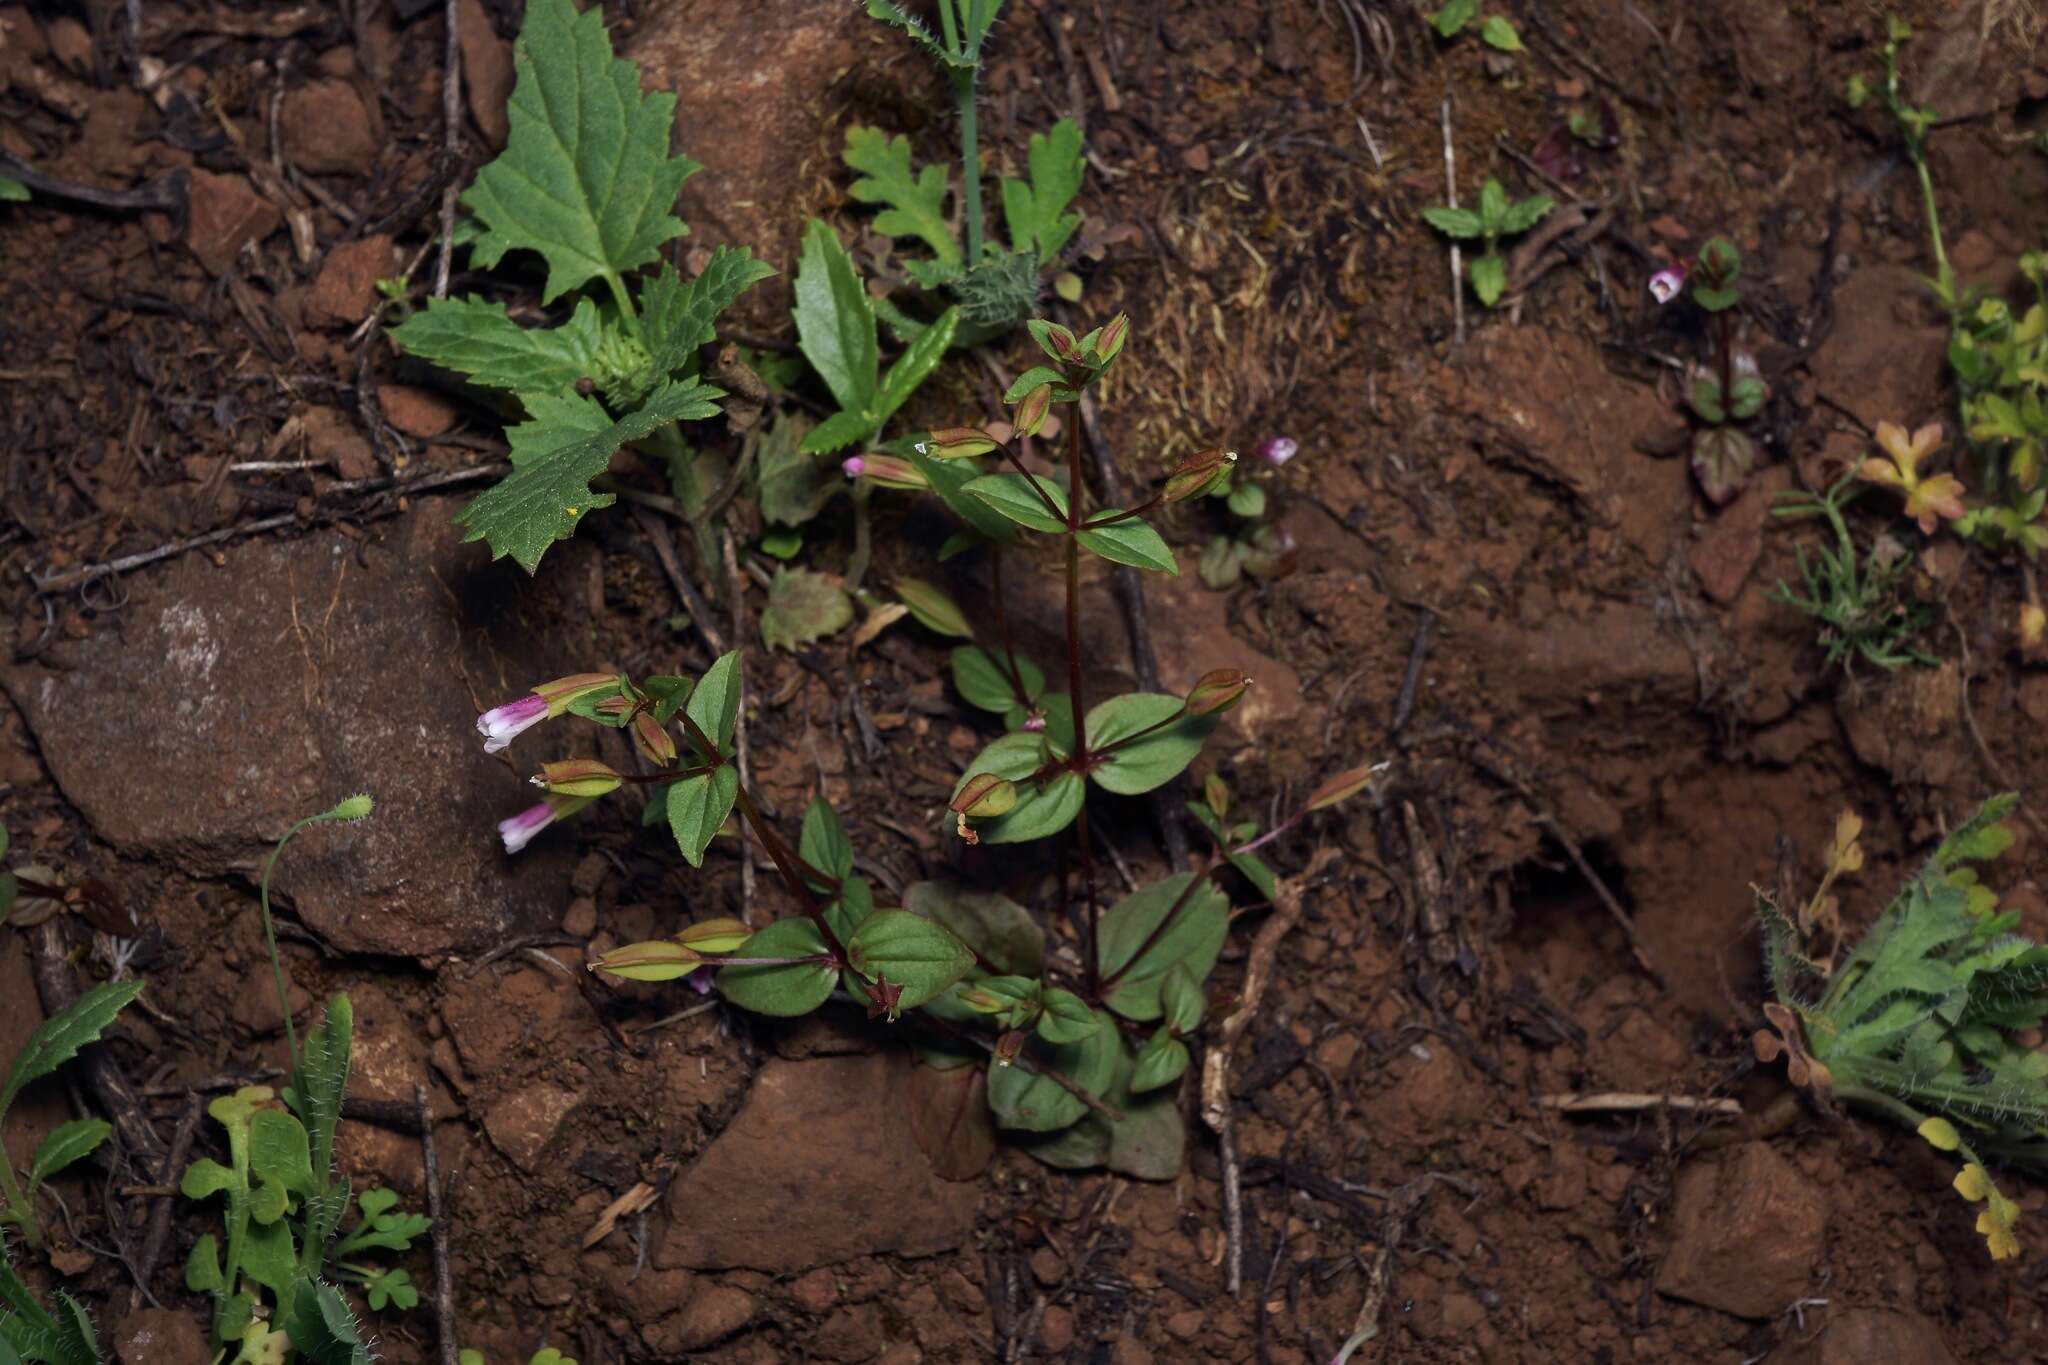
(1567, 658)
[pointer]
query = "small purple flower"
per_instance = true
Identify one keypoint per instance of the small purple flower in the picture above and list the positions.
(854, 466)
(1665, 284)
(518, 830)
(700, 980)
(501, 724)
(1034, 723)
(1278, 450)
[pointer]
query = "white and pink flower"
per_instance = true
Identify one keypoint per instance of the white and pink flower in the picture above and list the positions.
(502, 724)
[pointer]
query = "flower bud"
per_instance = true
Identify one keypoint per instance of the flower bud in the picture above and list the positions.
(721, 935)
(1008, 1046)
(1055, 340)
(1199, 473)
(1031, 412)
(953, 443)
(1217, 691)
(562, 691)
(1666, 283)
(1344, 785)
(652, 739)
(502, 724)
(888, 471)
(661, 960)
(585, 777)
(1278, 450)
(357, 807)
(985, 796)
(1111, 341)
(853, 466)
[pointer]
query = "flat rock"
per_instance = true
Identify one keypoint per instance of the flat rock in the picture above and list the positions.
(416, 411)
(1746, 1233)
(713, 1313)
(523, 1123)
(160, 1336)
(345, 290)
(487, 71)
(226, 215)
(1869, 1336)
(325, 129)
(818, 1167)
(1883, 360)
(222, 704)
(759, 128)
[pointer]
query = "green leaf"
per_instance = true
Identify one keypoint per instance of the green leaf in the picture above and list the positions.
(837, 432)
(205, 1178)
(1452, 18)
(1041, 809)
(698, 807)
(933, 607)
(1248, 501)
(1036, 213)
(914, 366)
(323, 1074)
(393, 1288)
(784, 990)
(67, 1143)
(1150, 761)
(320, 1325)
(1011, 495)
(1035, 1103)
(585, 178)
(280, 1151)
(803, 606)
(1193, 940)
(58, 1038)
(1067, 1018)
(1500, 33)
(1130, 541)
(202, 1266)
(1009, 940)
(268, 1255)
(907, 950)
(1160, 1063)
(1526, 213)
(949, 479)
(480, 340)
(12, 191)
(554, 458)
(824, 844)
(1489, 274)
(1982, 837)
(982, 682)
(1493, 206)
(794, 487)
(1460, 223)
(714, 706)
(677, 318)
(1180, 997)
(835, 323)
(916, 200)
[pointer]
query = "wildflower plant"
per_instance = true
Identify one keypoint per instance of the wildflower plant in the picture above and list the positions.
(284, 1205)
(586, 182)
(1924, 1023)
(1496, 30)
(995, 284)
(1072, 1041)
(1728, 389)
(1253, 543)
(1495, 217)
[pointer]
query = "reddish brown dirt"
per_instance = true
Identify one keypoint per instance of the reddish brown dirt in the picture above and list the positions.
(1603, 672)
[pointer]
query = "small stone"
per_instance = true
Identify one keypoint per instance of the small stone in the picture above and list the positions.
(332, 438)
(255, 1007)
(1048, 1267)
(1462, 1313)
(1195, 157)
(324, 129)
(487, 72)
(580, 920)
(1670, 229)
(1055, 1330)
(815, 1292)
(226, 215)
(1186, 1325)
(716, 1311)
(160, 1336)
(524, 1122)
(415, 411)
(849, 1335)
(589, 873)
(1869, 1336)
(1128, 1350)
(346, 289)
(1746, 1232)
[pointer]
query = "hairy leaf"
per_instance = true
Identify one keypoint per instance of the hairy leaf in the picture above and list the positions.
(480, 340)
(67, 1143)
(677, 317)
(58, 1038)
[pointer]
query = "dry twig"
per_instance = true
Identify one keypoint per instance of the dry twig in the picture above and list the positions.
(444, 1276)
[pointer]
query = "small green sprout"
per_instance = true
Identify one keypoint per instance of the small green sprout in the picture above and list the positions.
(1856, 597)
(1495, 218)
(1497, 31)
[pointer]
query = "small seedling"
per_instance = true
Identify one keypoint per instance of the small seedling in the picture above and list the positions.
(1924, 1023)
(1253, 544)
(284, 1204)
(995, 287)
(1730, 388)
(1497, 30)
(1856, 597)
(1076, 1049)
(1494, 219)
(586, 182)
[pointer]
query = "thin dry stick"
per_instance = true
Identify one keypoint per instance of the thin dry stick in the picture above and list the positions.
(658, 535)
(736, 603)
(1457, 257)
(451, 142)
(1258, 972)
(1622, 1102)
(160, 1216)
(444, 1277)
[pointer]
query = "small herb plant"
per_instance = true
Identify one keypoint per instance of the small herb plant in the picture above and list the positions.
(546, 1355)
(1081, 1038)
(1857, 597)
(995, 285)
(586, 182)
(1495, 218)
(284, 1204)
(56, 1041)
(1496, 30)
(31, 1332)
(1921, 1023)
(1253, 544)
(1727, 390)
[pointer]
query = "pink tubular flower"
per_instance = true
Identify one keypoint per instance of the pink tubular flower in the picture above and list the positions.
(517, 831)
(501, 724)
(1279, 450)
(1665, 284)
(854, 466)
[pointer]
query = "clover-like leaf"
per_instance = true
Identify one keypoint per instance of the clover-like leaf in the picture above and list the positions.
(586, 178)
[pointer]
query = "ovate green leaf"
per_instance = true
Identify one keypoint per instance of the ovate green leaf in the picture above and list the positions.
(1130, 542)
(907, 950)
(998, 928)
(1158, 755)
(784, 990)
(1193, 940)
(1012, 496)
(835, 323)
(698, 807)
